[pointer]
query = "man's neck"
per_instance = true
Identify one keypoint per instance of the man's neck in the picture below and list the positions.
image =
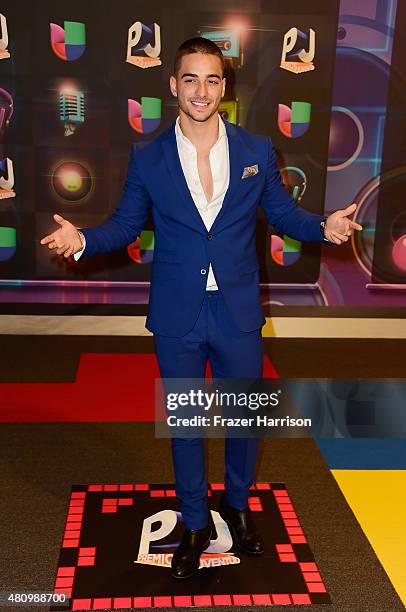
(202, 134)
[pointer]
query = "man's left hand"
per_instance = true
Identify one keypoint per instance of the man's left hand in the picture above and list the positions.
(338, 227)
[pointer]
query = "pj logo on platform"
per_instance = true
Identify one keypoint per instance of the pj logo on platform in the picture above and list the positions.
(158, 545)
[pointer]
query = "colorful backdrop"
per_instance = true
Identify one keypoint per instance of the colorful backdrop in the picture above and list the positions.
(81, 83)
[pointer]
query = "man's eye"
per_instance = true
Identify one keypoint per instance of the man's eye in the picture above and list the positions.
(213, 82)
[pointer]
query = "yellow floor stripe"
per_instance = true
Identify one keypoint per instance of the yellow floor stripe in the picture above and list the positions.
(378, 500)
(275, 327)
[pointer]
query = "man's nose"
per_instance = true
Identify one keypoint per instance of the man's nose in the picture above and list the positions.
(201, 89)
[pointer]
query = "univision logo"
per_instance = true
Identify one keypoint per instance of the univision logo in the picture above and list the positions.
(294, 122)
(141, 251)
(285, 251)
(68, 43)
(144, 118)
(7, 242)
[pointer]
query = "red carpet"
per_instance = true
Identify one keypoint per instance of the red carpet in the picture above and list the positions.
(108, 387)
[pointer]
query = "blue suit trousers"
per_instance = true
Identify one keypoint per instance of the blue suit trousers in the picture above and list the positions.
(232, 353)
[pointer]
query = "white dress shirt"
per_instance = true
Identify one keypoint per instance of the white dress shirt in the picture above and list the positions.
(220, 170)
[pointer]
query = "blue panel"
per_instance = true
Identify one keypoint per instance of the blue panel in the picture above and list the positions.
(364, 453)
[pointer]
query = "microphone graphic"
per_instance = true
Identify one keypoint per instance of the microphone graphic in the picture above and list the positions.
(71, 110)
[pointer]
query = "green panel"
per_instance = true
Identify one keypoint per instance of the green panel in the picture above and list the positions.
(290, 245)
(301, 112)
(75, 33)
(7, 236)
(147, 240)
(151, 108)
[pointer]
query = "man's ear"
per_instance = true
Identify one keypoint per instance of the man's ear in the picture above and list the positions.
(224, 87)
(173, 86)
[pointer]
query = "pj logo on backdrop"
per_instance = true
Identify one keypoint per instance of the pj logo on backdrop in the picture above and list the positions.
(294, 56)
(4, 53)
(6, 179)
(157, 545)
(144, 45)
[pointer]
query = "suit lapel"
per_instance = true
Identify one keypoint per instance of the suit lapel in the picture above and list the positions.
(175, 170)
(238, 155)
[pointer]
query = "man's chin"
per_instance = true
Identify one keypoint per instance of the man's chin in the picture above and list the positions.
(201, 116)
(200, 119)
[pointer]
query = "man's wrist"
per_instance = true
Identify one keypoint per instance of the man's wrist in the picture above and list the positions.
(323, 229)
(82, 240)
(78, 254)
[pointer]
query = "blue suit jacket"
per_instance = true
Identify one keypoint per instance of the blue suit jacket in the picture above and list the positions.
(183, 247)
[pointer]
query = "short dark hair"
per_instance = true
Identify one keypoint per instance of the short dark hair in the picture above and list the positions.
(198, 45)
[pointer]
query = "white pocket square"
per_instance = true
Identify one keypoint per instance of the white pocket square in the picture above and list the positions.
(250, 171)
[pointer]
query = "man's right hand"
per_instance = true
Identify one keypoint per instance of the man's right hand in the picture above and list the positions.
(66, 239)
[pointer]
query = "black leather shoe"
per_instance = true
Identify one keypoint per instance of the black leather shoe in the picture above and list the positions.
(242, 528)
(186, 558)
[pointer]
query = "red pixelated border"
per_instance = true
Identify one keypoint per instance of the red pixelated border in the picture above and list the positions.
(86, 556)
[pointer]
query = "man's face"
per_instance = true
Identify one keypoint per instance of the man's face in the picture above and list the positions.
(199, 85)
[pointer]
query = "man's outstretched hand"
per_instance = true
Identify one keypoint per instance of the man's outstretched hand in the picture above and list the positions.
(65, 239)
(338, 228)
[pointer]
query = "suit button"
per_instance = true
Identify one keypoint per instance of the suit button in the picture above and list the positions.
(209, 237)
(203, 271)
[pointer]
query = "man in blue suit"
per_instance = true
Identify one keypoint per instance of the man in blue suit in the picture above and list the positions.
(203, 180)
